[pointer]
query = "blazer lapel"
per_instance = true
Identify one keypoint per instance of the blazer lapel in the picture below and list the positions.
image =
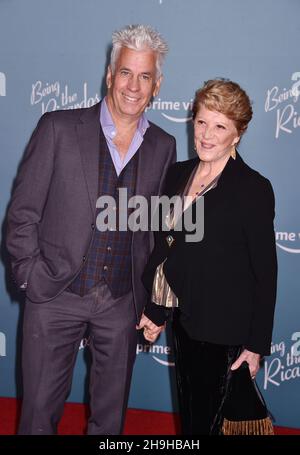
(214, 197)
(225, 186)
(178, 185)
(89, 132)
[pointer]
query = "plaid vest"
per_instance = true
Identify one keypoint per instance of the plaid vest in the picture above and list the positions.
(109, 256)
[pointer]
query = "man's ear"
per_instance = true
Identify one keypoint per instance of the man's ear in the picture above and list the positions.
(157, 86)
(109, 77)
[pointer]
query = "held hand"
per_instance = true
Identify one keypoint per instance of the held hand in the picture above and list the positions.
(251, 358)
(151, 330)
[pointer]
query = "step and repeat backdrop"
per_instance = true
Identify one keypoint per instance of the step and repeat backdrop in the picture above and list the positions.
(53, 55)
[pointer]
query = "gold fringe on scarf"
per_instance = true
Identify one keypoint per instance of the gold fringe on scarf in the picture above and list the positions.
(248, 427)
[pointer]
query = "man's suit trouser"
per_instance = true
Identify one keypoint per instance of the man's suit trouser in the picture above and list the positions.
(52, 333)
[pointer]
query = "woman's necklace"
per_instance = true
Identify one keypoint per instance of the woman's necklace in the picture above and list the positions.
(201, 186)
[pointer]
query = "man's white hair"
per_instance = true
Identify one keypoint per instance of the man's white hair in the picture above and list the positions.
(138, 38)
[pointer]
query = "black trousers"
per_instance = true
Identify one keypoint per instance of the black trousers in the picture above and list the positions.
(201, 372)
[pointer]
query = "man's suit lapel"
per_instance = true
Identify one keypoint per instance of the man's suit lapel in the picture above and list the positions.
(146, 164)
(89, 133)
(91, 139)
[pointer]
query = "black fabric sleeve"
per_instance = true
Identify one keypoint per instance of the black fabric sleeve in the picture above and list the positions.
(257, 208)
(157, 313)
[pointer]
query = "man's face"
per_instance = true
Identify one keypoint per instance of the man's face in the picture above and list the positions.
(133, 83)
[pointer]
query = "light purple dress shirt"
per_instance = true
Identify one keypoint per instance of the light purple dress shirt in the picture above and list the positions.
(109, 131)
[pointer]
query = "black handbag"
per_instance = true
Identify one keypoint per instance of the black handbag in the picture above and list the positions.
(244, 411)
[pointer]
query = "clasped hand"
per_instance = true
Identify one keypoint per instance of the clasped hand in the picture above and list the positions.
(151, 330)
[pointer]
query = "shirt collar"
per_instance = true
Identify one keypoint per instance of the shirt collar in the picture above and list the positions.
(108, 125)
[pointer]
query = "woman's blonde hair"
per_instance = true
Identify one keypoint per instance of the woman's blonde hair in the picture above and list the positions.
(227, 97)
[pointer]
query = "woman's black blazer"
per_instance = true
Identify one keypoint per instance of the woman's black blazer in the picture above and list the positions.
(226, 283)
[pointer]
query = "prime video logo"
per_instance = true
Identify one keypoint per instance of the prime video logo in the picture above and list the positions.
(291, 238)
(173, 110)
(155, 350)
(2, 345)
(2, 84)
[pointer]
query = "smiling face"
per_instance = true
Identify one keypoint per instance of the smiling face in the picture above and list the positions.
(133, 83)
(214, 135)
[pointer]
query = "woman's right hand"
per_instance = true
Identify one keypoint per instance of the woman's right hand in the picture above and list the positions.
(252, 358)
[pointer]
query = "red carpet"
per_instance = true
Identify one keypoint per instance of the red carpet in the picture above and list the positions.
(138, 422)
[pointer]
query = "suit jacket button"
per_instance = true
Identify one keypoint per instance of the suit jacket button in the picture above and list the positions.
(84, 258)
(93, 226)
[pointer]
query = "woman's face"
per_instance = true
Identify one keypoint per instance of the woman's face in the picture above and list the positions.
(214, 135)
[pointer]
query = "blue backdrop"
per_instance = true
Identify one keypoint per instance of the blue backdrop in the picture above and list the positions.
(53, 55)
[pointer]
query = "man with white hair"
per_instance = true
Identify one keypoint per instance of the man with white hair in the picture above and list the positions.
(78, 276)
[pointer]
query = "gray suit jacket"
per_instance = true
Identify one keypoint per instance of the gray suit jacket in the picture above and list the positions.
(52, 212)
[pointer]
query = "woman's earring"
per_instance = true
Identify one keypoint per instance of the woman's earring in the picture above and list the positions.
(233, 152)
